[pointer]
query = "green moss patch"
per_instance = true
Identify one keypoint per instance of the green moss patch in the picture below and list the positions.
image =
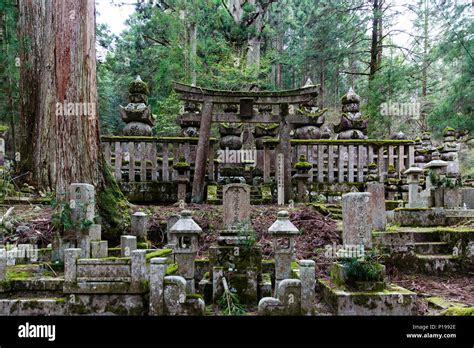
(158, 253)
(458, 311)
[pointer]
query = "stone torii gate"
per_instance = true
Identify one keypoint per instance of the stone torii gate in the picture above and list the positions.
(239, 108)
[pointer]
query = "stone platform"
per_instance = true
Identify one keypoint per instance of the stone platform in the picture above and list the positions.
(394, 300)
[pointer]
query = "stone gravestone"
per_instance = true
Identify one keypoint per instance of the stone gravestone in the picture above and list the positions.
(235, 257)
(82, 204)
(236, 204)
(377, 205)
(280, 176)
(356, 218)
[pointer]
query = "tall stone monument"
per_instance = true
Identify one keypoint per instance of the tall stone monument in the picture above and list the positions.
(137, 114)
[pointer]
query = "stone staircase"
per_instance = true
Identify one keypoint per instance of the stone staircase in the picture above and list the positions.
(432, 249)
(433, 255)
(38, 294)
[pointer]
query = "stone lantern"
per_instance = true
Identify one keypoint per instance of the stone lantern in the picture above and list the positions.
(283, 232)
(184, 235)
(413, 180)
(302, 176)
(435, 178)
(437, 168)
(182, 167)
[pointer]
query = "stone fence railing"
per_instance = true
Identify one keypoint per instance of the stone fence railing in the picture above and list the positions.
(343, 161)
(141, 159)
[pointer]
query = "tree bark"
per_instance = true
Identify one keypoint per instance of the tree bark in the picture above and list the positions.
(374, 49)
(60, 137)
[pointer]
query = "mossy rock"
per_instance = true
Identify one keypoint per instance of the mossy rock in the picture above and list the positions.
(138, 86)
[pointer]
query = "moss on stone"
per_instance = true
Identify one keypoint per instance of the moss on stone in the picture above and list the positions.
(211, 193)
(312, 114)
(143, 245)
(158, 253)
(411, 209)
(448, 130)
(138, 86)
(110, 258)
(18, 275)
(229, 125)
(302, 164)
(193, 297)
(172, 269)
(458, 311)
(266, 192)
(267, 126)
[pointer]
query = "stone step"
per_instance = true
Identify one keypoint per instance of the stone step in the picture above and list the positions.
(433, 264)
(34, 306)
(422, 237)
(427, 248)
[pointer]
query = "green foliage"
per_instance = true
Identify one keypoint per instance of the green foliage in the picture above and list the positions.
(167, 112)
(62, 217)
(244, 229)
(230, 304)
(367, 268)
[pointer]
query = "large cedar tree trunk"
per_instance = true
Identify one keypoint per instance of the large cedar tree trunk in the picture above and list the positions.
(59, 66)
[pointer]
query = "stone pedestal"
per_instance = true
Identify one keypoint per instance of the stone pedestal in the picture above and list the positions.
(283, 233)
(301, 181)
(182, 185)
(127, 245)
(157, 275)
(70, 266)
(139, 225)
(308, 286)
(99, 249)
